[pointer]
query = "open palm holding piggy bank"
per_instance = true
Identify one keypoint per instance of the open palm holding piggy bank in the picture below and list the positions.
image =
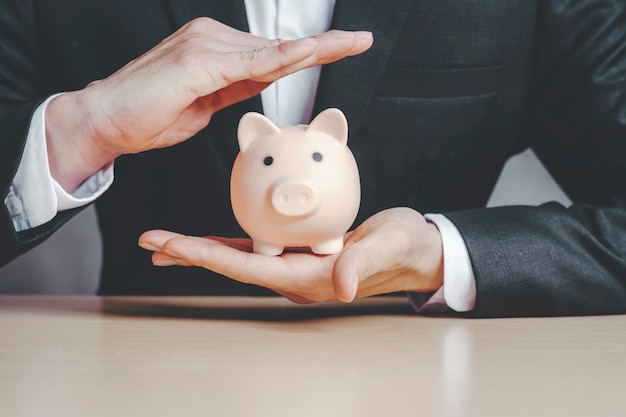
(295, 186)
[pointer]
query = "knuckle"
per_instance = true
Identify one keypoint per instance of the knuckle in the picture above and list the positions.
(169, 246)
(276, 42)
(93, 83)
(199, 24)
(251, 54)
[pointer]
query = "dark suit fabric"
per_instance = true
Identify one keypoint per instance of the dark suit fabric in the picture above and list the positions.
(449, 91)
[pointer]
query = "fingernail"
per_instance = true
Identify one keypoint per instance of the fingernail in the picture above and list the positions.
(148, 246)
(164, 262)
(355, 288)
(364, 35)
(342, 34)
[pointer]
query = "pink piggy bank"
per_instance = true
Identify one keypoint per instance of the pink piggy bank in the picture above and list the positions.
(295, 186)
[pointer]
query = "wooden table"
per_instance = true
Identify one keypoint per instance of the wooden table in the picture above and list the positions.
(208, 356)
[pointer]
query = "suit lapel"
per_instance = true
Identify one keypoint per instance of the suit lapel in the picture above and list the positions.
(350, 84)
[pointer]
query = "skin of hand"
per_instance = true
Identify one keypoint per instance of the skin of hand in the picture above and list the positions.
(170, 93)
(394, 250)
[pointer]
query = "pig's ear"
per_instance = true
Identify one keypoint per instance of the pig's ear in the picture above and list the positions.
(251, 126)
(333, 122)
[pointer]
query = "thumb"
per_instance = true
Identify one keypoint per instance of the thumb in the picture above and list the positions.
(354, 264)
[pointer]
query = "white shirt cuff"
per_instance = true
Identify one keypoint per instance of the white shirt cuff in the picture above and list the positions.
(34, 197)
(459, 285)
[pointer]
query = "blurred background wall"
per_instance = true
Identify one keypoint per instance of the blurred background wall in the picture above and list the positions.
(69, 262)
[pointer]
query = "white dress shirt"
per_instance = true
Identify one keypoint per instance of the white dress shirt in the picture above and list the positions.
(35, 197)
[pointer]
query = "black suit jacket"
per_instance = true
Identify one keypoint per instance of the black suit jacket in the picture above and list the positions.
(449, 91)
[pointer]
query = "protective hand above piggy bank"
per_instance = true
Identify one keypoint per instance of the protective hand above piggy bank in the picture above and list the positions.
(295, 186)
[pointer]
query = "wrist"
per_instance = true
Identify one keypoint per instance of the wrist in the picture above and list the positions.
(73, 150)
(423, 257)
(434, 257)
(459, 291)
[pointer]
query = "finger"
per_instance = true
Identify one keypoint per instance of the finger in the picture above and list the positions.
(153, 240)
(331, 46)
(290, 56)
(156, 240)
(219, 257)
(256, 63)
(302, 276)
(338, 44)
(161, 259)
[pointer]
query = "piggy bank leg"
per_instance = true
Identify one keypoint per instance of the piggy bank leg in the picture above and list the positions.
(328, 247)
(265, 248)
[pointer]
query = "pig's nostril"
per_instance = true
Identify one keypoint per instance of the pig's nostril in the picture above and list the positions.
(284, 198)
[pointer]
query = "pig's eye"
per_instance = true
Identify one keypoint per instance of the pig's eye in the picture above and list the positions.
(268, 160)
(317, 157)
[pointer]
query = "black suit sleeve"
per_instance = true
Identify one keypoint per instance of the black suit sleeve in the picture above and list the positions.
(21, 90)
(552, 260)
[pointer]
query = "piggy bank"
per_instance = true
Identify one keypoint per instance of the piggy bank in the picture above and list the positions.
(295, 186)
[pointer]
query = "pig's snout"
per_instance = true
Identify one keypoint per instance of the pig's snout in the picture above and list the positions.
(294, 198)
